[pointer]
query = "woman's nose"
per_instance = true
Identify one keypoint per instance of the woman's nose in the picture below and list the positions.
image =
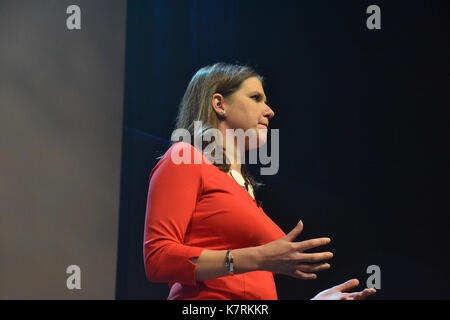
(269, 113)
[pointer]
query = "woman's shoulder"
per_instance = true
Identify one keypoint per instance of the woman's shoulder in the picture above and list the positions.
(181, 162)
(181, 159)
(183, 153)
(176, 170)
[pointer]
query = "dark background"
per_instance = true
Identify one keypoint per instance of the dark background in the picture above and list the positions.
(363, 119)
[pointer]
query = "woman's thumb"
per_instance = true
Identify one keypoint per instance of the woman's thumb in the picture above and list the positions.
(294, 232)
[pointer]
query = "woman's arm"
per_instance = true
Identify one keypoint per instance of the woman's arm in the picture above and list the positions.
(211, 263)
(168, 259)
(282, 256)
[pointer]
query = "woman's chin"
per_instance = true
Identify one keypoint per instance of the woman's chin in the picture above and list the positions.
(256, 139)
(262, 137)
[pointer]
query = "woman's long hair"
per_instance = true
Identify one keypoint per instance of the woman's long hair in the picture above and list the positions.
(196, 105)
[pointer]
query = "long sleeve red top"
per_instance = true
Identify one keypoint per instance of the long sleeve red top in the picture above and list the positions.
(192, 207)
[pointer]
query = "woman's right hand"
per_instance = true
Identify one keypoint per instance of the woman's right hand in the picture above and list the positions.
(287, 257)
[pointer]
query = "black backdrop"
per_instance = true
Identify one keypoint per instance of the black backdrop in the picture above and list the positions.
(363, 119)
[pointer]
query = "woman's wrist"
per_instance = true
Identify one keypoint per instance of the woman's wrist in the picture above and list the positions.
(247, 259)
(258, 258)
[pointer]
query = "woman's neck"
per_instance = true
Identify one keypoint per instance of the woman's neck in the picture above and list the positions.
(233, 156)
(233, 150)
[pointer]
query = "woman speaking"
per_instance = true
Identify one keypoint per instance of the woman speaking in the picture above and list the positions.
(205, 234)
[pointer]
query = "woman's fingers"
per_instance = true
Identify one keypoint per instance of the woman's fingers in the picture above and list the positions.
(368, 292)
(294, 232)
(313, 267)
(304, 271)
(305, 276)
(314, 257)
(312, 243)
(362, 294)
(347, 285)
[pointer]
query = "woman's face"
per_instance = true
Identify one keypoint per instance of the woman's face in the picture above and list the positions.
(247, 109)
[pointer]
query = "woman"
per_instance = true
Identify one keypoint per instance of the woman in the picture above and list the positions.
(205, 233)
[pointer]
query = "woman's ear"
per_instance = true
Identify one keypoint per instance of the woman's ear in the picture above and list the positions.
(217, 103)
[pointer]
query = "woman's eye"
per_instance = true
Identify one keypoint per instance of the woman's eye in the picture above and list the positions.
(257, 98)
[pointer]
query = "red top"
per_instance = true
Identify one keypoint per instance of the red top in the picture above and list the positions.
(191, 207)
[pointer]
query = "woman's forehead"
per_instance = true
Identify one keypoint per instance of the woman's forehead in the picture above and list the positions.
(252, 84)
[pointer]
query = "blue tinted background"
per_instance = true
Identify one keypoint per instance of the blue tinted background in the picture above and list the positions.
(363, 119)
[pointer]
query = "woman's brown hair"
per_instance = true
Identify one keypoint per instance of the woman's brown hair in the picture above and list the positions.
(196, 105)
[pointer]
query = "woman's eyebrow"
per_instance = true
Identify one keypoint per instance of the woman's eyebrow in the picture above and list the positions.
(262, 95)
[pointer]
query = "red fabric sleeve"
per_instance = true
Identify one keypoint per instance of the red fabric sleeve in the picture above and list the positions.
(172, 196)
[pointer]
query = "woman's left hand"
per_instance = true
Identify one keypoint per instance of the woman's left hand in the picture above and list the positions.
(337, 292)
